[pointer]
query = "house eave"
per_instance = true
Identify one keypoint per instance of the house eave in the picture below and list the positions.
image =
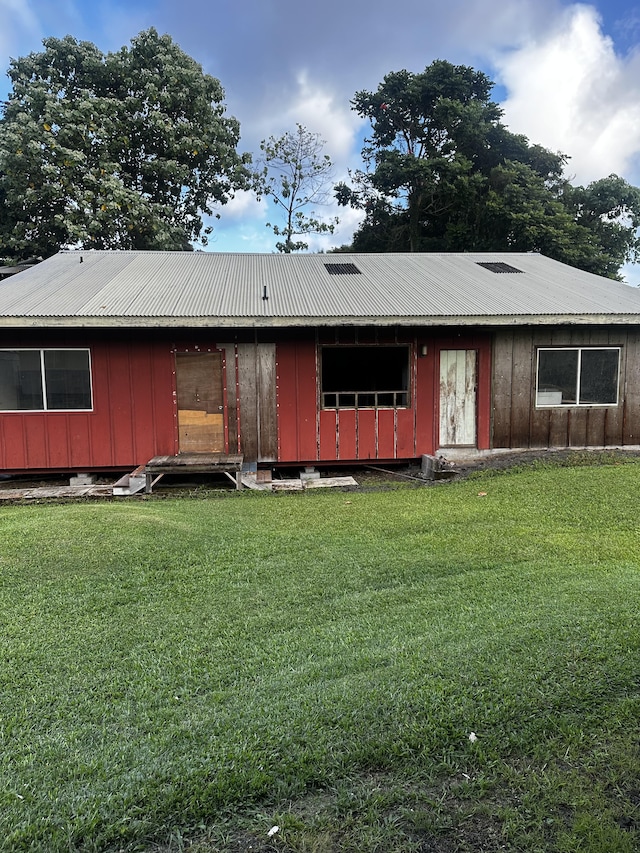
(487, 321)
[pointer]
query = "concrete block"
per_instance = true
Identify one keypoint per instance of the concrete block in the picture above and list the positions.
(82, 480)
(431, 465)
(309, 474)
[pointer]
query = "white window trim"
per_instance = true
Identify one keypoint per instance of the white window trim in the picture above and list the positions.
(577, 404)
(43, 380)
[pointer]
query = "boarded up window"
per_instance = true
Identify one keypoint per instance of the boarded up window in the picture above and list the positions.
(45, 380)
(365, 377)
(578, 376)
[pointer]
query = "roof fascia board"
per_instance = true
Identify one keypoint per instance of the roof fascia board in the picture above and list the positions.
(301, 322)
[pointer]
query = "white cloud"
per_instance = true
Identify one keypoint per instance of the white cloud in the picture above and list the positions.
(243, 205)
(571, 92)
(316, 108)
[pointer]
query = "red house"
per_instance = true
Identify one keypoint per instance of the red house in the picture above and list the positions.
(111, 359)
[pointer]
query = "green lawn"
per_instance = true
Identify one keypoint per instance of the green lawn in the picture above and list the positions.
(186, 674)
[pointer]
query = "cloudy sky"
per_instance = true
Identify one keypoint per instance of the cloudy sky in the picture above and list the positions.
(566, 74)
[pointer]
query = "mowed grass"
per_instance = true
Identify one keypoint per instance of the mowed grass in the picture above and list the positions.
(186, 674)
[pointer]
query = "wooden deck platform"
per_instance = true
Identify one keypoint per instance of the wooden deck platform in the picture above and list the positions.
(194, 463)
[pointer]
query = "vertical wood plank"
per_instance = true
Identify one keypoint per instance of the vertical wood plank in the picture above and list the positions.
(230, 394)
(613, 427)
(287, 401)
(248, 401)
(267, 410)
(347, 446)
(425, 401)
(405, 435)
(328, 436)
(522, 389)
(307, 392)
(541, 419)
(366, 426)
(502, 384)
(631, 389)
(386, 433)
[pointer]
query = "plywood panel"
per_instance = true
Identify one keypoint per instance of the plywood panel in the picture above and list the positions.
(200, 402)
(200, 432)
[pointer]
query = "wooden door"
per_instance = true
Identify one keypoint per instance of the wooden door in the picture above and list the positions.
(458, 398)
(200, 402)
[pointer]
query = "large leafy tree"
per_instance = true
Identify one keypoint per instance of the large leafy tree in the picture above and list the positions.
(295, 174)
(124, 150)
(443, 173)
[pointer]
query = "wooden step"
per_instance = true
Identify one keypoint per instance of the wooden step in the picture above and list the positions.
(130, 484)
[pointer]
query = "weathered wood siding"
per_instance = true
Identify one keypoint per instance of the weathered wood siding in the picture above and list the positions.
(458, 410)
(516, 420)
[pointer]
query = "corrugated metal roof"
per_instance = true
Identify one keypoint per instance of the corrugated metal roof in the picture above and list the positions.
(200, 288)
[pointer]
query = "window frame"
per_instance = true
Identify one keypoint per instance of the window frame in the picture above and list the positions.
(43, 381)
(397, 393)
(579, 350)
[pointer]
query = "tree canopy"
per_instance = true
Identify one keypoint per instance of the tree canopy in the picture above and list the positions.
(126, 150)
(443, 173)
(295, 174)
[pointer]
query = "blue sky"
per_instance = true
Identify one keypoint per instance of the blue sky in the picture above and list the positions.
(567, 74)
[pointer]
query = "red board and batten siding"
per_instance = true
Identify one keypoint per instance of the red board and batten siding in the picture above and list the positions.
(134, 410)
(308, 433)
(132, 418)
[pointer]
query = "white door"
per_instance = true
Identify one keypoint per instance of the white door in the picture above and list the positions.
(458, 397)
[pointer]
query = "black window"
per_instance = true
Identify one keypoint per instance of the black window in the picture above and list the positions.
(578, 376)
(365, 377)
(45, 380)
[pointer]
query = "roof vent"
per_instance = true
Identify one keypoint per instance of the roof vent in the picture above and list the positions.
(342, 269)
(497, 266)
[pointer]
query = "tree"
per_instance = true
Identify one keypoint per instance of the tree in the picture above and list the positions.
(443, 173)
(295, 174)
(126, 150)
